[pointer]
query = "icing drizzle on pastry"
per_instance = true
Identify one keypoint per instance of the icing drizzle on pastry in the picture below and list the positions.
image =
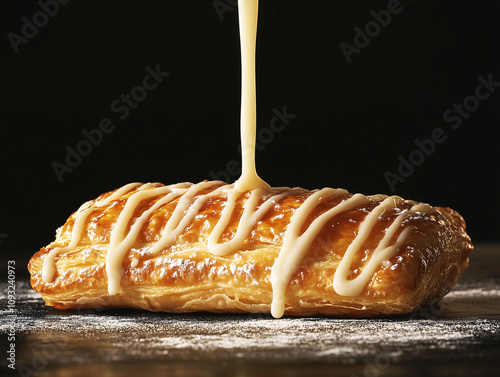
(296, 241)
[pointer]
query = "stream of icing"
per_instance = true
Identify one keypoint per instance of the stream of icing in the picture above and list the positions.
(262, 198)
(248, 15)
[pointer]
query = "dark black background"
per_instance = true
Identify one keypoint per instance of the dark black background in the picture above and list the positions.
(353, 120)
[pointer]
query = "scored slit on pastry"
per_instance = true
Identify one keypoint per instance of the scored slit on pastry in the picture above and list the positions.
(247, 247)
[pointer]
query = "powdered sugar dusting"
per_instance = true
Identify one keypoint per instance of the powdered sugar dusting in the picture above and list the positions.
(129, 334)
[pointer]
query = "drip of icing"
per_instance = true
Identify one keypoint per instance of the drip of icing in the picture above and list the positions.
(250, 217)
(121, 241)
(295, 245)
(249, 180)
(382, 253)
(48, 268)
(118, 194)
(184, 212)
(422, 207)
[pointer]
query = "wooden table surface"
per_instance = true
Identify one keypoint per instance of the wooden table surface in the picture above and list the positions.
(459, 337)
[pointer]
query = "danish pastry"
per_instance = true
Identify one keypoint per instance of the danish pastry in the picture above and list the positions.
(209, 247)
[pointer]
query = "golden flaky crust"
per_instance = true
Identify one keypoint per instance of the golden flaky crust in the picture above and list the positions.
(186, 277)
